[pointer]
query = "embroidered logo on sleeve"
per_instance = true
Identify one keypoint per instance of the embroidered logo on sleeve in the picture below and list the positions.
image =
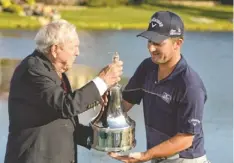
(194, 122)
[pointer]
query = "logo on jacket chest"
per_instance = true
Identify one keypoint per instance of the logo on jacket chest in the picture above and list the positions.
(166, 97)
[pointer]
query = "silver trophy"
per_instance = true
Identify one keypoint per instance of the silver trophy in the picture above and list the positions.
(113, 129)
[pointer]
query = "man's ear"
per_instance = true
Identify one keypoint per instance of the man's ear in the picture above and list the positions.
(53, 50)
(178, 43)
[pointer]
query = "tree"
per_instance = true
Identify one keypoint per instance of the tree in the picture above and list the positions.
(227, 2)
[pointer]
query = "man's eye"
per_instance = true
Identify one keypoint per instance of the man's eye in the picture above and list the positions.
(153, 43)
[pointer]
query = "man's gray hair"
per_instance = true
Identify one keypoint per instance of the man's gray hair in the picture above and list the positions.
(54, 33)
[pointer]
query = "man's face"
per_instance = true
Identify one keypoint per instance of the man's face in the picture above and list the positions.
(161, 52)
(66, 55)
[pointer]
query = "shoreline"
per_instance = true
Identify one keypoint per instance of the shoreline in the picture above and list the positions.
(111, 27)
(196, 18)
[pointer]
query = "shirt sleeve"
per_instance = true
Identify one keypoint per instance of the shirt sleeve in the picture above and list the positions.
(190, 111)
(133, 93)
(100, 84)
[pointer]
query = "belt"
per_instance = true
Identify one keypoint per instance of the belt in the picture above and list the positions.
(158, 160)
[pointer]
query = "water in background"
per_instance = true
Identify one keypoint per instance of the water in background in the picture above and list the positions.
(210, 54)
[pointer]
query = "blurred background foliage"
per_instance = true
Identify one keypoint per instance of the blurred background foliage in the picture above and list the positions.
(111, 14)
(102, 3)
(98, 3)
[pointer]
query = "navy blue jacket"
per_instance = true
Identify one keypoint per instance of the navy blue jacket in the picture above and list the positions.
(172, 105)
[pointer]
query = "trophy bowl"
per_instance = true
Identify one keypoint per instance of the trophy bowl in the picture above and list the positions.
(113, 129)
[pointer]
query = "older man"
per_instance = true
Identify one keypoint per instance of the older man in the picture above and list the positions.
(44, 126)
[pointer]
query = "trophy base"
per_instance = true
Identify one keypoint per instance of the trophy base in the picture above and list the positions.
(119, 150)
(114, 140)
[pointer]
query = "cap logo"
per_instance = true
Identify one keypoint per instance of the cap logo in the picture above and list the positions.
(155, 21)
(175, 32)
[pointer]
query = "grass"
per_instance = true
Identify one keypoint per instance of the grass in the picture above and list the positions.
(133, 17)
(13, 21)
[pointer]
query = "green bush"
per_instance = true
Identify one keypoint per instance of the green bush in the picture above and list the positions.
(105, 3)
(5, 3)
(30, 2)
(59, 2)
(136, 2)
(17, 9)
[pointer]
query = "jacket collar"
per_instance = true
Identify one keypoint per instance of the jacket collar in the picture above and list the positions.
(180, 66)
(44, 60)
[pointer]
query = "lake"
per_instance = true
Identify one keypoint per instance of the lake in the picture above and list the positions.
(209, 53)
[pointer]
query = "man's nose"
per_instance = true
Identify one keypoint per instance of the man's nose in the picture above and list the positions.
(77, 53)
(152, 48)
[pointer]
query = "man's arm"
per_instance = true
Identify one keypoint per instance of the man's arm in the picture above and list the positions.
(132, 93)
(53, 96)
(126, 105)
(67, 105)
(83, 134)
(167, 148)
(177, 143)
(189, 117)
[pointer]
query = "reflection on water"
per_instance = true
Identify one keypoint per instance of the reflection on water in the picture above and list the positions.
(17, 33)
(78, 76)
(7, 67)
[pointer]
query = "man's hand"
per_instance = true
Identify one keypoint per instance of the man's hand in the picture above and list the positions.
(111, 73)
(135, 157)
